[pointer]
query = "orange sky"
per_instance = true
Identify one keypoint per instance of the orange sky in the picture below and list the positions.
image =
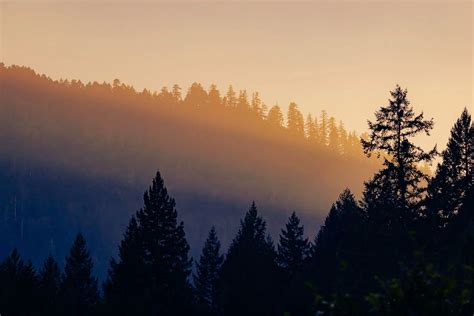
(343, 57)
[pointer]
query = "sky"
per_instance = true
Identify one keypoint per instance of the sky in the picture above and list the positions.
(341, 56)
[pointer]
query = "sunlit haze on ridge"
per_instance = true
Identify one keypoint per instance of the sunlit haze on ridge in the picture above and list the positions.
(343, 57)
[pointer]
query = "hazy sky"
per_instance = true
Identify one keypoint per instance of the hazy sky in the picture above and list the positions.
(340, 56)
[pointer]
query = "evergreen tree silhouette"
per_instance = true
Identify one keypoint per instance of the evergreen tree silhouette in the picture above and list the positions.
(230, 100)
(337, 245)
(18, 286)
(207, 275)
(79, 293)
(323, 128)
(127, 289)
(390, 133)
(275, 116)
(214, 96)
(243, 102)
(295, 120)
(249, 272)
(454, 175)
(293, 251)
(153, 260)
(293, 247)
(49, 280)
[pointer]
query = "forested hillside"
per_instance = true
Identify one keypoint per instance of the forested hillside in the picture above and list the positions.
(405, 248)
(77, 157)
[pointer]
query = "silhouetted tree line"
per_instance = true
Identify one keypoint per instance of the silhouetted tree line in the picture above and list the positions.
(323, 130)
(407, 248)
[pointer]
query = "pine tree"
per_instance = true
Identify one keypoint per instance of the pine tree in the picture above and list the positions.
(293, 252)
(333, 137)
(454, 175)
(18, 286)
(310, 127)
(242, 102)
(295, 120)
(275, 116)
(49, 280)
(153, 260)
(176, 93)
(230, 99)
(196, 96)
(390, 133)
(214, 96)
(343, 139)
(249, 270)
(257, 105)
(79, 293)
(323, 128)
(337, 244)
(293, 247)
(127, 289)
(207, 275)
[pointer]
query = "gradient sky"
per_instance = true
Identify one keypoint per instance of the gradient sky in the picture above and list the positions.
(340, 56)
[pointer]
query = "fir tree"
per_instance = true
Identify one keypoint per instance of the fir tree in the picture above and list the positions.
(295, 120)
(323, 128)
(207, 275)
(18, 286)
(49, 280)
(127, 289)
(275, 116)
(249, 270)
(153, 259)
(293, 247)
(395, 124)
(79, 293)
(337, 244)
(454, 175)
(214, 96)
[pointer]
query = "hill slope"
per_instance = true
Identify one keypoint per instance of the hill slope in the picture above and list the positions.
(78, 157)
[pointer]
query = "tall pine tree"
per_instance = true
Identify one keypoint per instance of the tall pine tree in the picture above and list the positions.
(79, 293)
(248, 272)
(207, 275)
(454, 175)
(153, 259)
(49, 280)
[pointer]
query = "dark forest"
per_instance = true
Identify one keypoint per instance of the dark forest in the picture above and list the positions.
(393, 239)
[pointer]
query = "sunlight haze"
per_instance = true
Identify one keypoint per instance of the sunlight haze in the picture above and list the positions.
(343, 57)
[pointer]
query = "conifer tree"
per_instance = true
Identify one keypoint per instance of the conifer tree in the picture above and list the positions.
(242, 102)
(127, 289)
(337, 241)
(295, 120)
(176, 92)
(249, 271)
(257, 105)
(18, 286)
(395, 124)
(310, 127)
(153, 259)
(79, 293)
(333, 136)
(343, 139)
(293, 247)
(207, 275)
(230, 99)
(196, 96)
(275, 116)
(454, 175)
(323, 128)
(49, 280)
(293, 252)
(214, 96)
